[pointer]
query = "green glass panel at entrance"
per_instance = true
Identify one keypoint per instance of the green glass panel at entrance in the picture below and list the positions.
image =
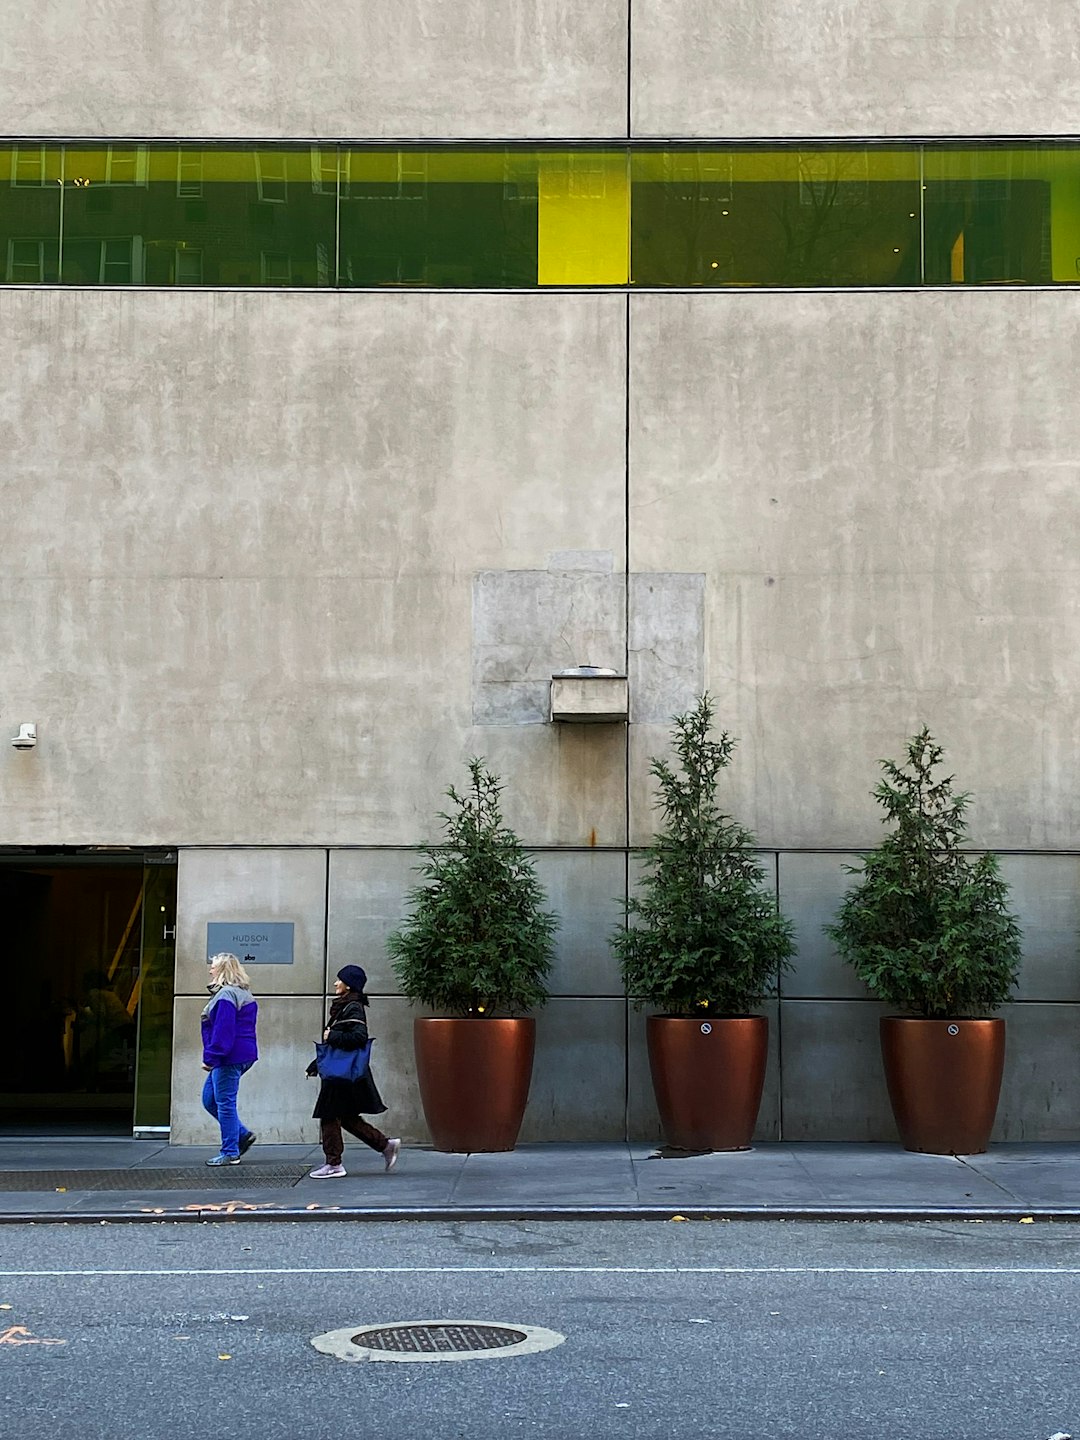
(153, 1073)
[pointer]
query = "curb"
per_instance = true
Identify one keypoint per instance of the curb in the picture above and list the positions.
(214, 1214)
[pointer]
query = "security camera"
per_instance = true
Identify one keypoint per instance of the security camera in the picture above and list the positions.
(26, 739)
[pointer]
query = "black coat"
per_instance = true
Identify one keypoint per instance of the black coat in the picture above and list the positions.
(343, 1099)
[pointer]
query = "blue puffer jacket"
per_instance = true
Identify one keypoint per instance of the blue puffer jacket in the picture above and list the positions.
(228, 1028)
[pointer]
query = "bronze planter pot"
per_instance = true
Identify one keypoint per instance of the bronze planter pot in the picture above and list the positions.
(708, 1077)
(474, 1079)
(944, 1079)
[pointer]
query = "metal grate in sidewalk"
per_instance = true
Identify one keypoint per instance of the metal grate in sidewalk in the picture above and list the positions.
(192, 1177)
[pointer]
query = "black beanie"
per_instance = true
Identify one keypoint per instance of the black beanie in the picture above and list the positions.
(354, 976)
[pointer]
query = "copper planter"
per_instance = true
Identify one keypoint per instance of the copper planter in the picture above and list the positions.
(474, 1079)
(708, 1077)
(944, 1078)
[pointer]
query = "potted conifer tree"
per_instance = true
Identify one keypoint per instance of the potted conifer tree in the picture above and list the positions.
(927, 928)
(476, 946)
(703, 944)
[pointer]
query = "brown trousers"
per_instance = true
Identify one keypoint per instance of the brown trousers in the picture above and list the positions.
(333, 1144)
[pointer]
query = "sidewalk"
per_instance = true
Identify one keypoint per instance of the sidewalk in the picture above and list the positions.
(95, 1180)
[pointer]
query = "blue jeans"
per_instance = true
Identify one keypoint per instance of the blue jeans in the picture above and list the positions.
(219, 1099)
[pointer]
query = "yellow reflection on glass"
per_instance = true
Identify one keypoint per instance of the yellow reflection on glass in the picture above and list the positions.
(584, 220)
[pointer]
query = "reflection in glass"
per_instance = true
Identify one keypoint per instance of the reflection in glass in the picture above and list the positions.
(990, 214)
(153, 1076)
(166, 215)
(454, 217)
(278, 216)
(775, 217)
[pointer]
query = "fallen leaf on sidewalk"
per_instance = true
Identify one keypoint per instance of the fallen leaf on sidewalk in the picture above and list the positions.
(224, 1357)
(1028, 1220)
(20, 1335)
(678, 1217)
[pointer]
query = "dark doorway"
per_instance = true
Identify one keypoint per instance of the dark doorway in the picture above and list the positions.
(71, 1028)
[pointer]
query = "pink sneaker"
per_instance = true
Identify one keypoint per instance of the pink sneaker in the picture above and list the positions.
(328, 1172)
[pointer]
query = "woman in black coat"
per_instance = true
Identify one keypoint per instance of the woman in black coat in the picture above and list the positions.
(342, 1102)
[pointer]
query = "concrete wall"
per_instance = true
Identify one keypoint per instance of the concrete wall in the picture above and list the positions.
(278, 564)
(591, 1077)
(880, 488)
(274, 565)
(535, 69)
(854, 68)
(237, 593)
(295, 68)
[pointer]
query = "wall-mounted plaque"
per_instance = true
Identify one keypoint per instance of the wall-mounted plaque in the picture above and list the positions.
(255, 942)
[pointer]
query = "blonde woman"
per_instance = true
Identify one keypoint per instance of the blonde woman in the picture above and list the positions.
(229, 1050)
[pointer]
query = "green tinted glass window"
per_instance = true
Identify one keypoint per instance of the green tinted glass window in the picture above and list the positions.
(775, 217)
(1002, 216)
(168, 215)
(461, 218)
(499, 217)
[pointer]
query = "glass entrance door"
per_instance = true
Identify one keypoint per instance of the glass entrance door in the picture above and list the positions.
(153, 1071)
(85, 995)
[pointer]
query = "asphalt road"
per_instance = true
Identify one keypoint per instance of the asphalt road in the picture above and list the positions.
(752, 1331)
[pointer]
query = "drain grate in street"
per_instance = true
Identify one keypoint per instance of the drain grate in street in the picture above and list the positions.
(194, 1177)
(427, 1339)
(437, 1340)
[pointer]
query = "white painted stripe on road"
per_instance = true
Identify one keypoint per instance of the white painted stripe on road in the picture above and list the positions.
(553, 1270)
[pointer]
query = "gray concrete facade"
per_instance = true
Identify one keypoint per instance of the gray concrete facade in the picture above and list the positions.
(854, 68)
(275, 564)
(521, 69)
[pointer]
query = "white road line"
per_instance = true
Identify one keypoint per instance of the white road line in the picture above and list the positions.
(557, 1270)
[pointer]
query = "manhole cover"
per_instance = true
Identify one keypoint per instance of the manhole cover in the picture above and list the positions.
(436, 1340)
(429, 1338)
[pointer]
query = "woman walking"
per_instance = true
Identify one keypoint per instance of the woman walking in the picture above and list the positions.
(342, 1102)
(229, 1051)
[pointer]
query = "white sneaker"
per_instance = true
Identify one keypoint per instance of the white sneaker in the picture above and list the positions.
(390, 1154)
(328, 1172)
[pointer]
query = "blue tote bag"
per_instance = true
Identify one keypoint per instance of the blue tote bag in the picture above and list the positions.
(334, 1063)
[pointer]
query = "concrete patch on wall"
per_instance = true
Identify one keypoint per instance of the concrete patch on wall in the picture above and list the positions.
(529, 623)
(666, 645)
